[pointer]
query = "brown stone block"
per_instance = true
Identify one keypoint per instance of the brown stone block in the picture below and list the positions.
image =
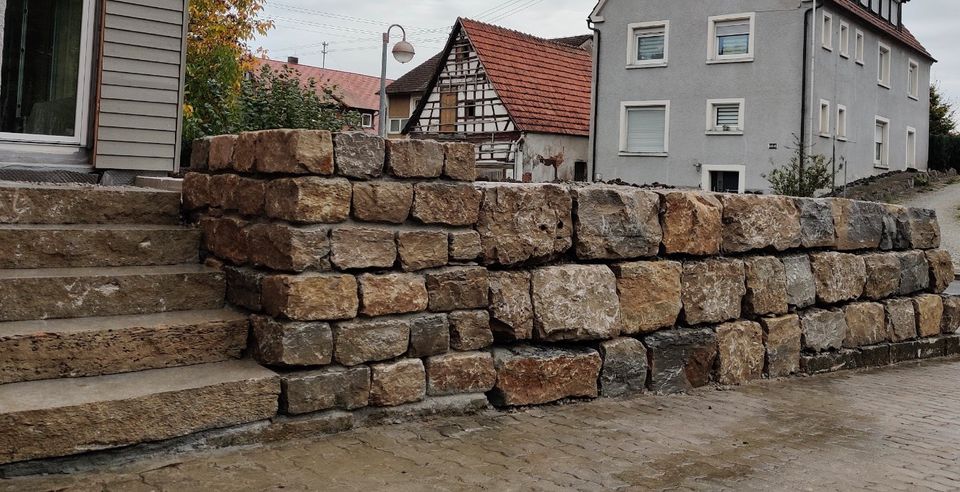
(446, 204)
(360, 341)
(713, 290)
(840, 277)
(901, 320)
(511, 309)
(929, 311)
(225, 238)
(766, 285)
(883, 275)
(740, 351)
(324, 389)
(429, 335)
(649, 295)
(755, 222)
(309, 200)
(397, 383)
(465, 246)
(924, 228)
(283, 247)
(295, 152)
(914, 272)
(528, 375)
(525, 223)
(246, 196)
(244, 287)
(220, 157)
(291, 343)
(396, 293)
(460, 373)
(617, 223)
(200, 154)
(681, 360)
(823, 330)
(470, 330)
(311, 297)
(245, 152)
(951, 315)
(414, 158)
(692, 223)
(420, 250)
(941, 270)
(196, 191)
(816, 223)
(221, 190)
(457, 288)
(866, 324)
(859, 224)
(782, 341)
(356, 248)
(382, 201)
(575, 302)
(359, 155)
(460, 161)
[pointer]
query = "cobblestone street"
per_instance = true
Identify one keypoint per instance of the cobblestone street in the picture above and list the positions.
(890, 429)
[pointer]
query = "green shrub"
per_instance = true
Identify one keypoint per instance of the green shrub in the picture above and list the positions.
(816, 173)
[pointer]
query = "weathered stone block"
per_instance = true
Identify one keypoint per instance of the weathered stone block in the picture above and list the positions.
(914, 272)
(766, 285)
(617, 222)
(382, 201)
(528, 375)
(929, 311)
(200, 154)
(244, 287)
(874, 356)
(883, 275)
(360, 341)
(523, 223)
(816, 223)
(951, 345)
(839, 277)
(325, 389)
(295, 152)
(357, 248)
(279, 246)
(904, 352)
(225, 238)
(460, 373)
(924, 228)
(465, 246)
(396, 293)
(221, 152)
(713, 290)
(930, 348)
(460, 161)
(221, 190)
(511, 309)
(470, 330)
(420, 250)
(359, 155)
(782, 337)
(196, 191)
(649, 295)
(245, 152)
(754, 222)
(941, 269)
(309, 200)
(624, 368)
(575, 302)
(843, 360)
(311, 297)
(415, 158)
(248, 197)
(740, 351)
(951, 315)
(681, 360)
(801, 286)
(866, 324)
(291, 343)
(896, 228)
(692, 223)
(397, 383)
(429, 335)
(901, 320)
(446, 203)
(823, 330)
(457, 288)
(859, 224)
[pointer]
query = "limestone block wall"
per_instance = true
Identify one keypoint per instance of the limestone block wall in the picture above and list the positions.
(379, 275)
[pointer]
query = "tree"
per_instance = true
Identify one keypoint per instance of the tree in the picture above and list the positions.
(942, 113)
(816, 173)
(280, 99)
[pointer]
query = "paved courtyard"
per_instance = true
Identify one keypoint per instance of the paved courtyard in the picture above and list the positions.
(889, 429)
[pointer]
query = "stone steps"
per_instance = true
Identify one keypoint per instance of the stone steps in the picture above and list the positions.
(36, 350)
(44, 204)
(96, 245)
(61, 417)
(52, 293)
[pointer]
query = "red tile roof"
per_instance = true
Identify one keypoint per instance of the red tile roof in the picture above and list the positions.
(545, 85)
(358, 91)
(903, 35)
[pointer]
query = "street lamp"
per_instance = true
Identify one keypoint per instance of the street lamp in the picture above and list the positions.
(403, 52)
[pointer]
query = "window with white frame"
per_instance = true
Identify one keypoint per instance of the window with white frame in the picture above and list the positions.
(725, 116)
(824, 118)
(883, 65)
(723, 179)
(731, 38)
(826, 33)
(644, 127)
(841, 122)
(881, 143)
(844, 40)
(397, 124)
(911, 148)
(649, 44)
(859, 46)
(913, 80)
(366, 120)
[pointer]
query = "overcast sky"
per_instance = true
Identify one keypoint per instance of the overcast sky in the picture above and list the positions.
(353, 29)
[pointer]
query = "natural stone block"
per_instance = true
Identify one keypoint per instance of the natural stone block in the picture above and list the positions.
(874, 356)
(914, 272)
(766, 285)
(740, 351)
(221, 190)
(196, 191)
(649, 295)
(575, 302)
(420, 250)
(360, 341)
(924, 228)
(396, 293)
(397, 383)
(460, 373)
(221, 152)
(859, 224)
(325, 389)
(951, 315)
(883, 275)
(901, 320)
(511, 309)
(247, 196)
(465, 246)
(843, 360)
(801, 286)
(904, 352)
(930, 348)
(782, 339)
(382, 201)
(816, 223)
(415, 158)
(200, 154)
(896, 228)
(295, 152)
(429, 335)
(617, 222)
(446, 203)
(941, 269)
(692, 223)
(311, 297)
(755, 222)
(823, 330)
(357, 248)
(839, 276)
(460, 161)
(245, 152)
(624, 368)
(309, 200)
(244, 287)
(225, 238)
(524, 223)
(866, 324)
(929, 311)
(681, 360)
(359, 155)
(470, 330)
(713, 290)
(528, 375)
(279, 246)
(951, 345)
(291, 343)
(457, 288)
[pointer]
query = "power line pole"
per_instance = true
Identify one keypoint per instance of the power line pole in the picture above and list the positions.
(325, 44)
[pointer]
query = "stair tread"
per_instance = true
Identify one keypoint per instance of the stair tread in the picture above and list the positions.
(116, 323)
(80, 186)
(96, 227)
(29, 273)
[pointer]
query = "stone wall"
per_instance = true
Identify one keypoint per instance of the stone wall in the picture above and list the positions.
(380, 275)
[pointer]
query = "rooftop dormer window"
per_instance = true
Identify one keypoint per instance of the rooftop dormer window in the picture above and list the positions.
(888, 10)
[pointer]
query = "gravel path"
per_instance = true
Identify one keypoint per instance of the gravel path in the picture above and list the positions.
(946, 202)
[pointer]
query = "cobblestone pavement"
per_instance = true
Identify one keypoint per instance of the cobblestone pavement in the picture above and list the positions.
(889, 429)
(946, 202)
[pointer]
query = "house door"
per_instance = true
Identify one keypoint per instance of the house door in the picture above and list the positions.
(448, 112)
(45, 70)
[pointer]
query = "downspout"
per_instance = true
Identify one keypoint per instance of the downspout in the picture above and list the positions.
(594, 98)
(809, 34)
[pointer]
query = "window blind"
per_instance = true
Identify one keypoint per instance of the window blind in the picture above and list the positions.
(650, 44)
(733, 37)
(728, 115)
(646, 129)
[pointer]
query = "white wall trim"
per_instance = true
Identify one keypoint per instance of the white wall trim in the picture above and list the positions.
(911, 63)
(884, 162)
(824, 131)
(711, 113)
(883, 78)
(826, 35)
(624, 106)
(712, 56)
(844, 43)
(859, 46)
(707, 168)
(632, 61)
(911, 155)
(841, 130)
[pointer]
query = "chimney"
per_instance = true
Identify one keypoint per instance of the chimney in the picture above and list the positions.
(293, 60)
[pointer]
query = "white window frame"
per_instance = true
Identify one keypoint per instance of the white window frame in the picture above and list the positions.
(401, 123)
(859, 46)
(624, 106)
(844, 39)
(913, 81)
(911, 155)
(884, 162)
(632, 61)
(826, 31)
(363, 120)
(706, 169)
(712, 56)
(825, 111)
(841, 123)
(883, 77)
(712, 116)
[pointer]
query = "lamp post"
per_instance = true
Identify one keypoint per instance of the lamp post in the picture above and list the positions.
(403, 52)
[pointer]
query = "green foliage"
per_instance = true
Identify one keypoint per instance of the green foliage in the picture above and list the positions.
(280, 99)
(944, 152)
(804, 174)
(921, 180)
(942, 114)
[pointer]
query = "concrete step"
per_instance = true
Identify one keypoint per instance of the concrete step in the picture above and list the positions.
(22, 203)
(87, 292)
(61, 417)
(36, 350)
(103, 245)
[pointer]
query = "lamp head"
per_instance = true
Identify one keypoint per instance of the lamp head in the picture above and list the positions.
(403, 52)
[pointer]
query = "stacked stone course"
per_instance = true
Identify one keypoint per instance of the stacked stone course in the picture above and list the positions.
(378, 274)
